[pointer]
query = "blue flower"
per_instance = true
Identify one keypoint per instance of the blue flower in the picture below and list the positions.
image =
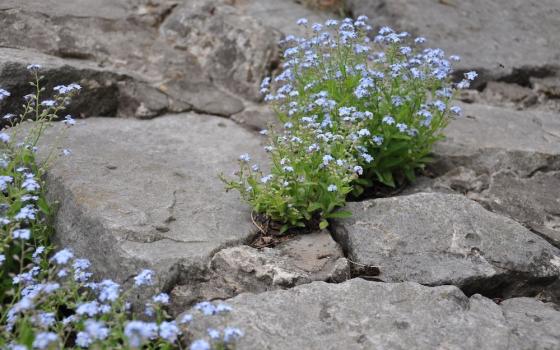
(402, 127)
(144, 278)
(33, 67)
(302, 22)
(378, 140)
(4, 137)
(245, 158)
(62, 257)
(4, 94)
(186, 319)
(23, 233)
(358, 170)
(138, 332)
(213, 333)
(90, 308)
(161, 298)
(456, 110)
(388, 120)
(169, 331)
(44, 340)
(332, 188)
(232, 334)
(200, 344)
(471, 75)
(108, 290)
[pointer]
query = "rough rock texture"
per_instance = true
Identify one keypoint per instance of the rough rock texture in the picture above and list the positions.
(104, 93)
(256, 117)
(303, 259)
(282, 15)
(534, 323)
(502, 39)
(437, 239)
(199, 53)
(509, 161)
(236, 50)
(146, 194)
(358, 314)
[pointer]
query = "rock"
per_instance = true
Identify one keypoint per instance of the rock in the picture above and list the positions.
(146, 194)
(436, 239)
(507, 160)
(256, 117)
(489, 139)
(358, 314)
(503, 39)
(197, 53)
(509, 95)
(236, 50)
(114, 94)
(550, 86)
(283, 15)
(303, 259)
(535, 324)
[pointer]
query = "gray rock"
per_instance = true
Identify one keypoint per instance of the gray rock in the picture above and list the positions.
(535, 324)
(235, 49)
(358, 314)
(146, 194)
(507, 160)
(197, 53)
(256, 117)
(282, 15)
(503, 39)
(437, 239)
(509, 95)
(488, 139)
(113, 93)
(303, 259)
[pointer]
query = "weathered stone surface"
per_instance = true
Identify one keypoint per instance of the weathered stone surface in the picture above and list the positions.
(283, 15)
(235, 49)
(437, 239)
(509, 95)
(199, 53)
(367, 315)
(256, 117)
(507, 39)
(492, 138)
(146, 194)
(507, 160)
(303, 259)
(534, 323)
(113, 93)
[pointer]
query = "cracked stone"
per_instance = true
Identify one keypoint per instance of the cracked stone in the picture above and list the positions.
(301, 260)
(163, 207)
(358, 314)
(437, 239)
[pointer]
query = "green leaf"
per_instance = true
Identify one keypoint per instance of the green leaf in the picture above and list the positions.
(340, 214)
(323, 224)
(44, 206)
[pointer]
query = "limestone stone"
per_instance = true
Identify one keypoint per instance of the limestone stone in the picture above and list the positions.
(511, 40)
(358, 314)
(146, 194)
(438, 239)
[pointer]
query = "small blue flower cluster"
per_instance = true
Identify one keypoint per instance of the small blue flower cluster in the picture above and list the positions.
(59, 301)
(356, 108)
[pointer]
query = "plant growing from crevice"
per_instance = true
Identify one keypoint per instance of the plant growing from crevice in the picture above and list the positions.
(357, 110)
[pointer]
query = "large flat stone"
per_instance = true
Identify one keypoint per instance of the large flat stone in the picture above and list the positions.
(507, 160)
(437, 239)
(146, 194)
(501, 39)
(367, 315)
